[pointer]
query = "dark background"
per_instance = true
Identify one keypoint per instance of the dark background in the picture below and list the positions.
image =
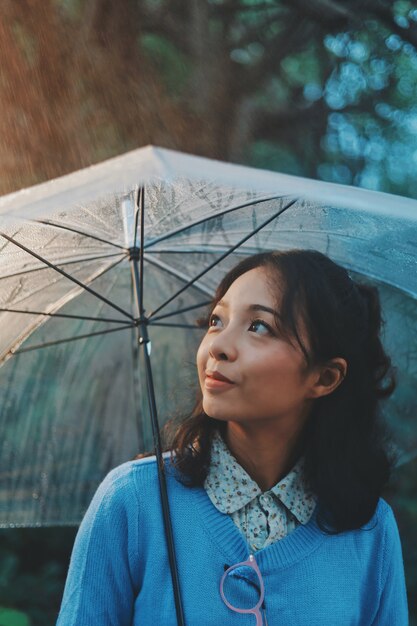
(324, 89)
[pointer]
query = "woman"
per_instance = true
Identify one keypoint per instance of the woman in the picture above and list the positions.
(280, 467)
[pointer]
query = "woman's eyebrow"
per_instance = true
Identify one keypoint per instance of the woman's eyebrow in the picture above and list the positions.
(251, 307)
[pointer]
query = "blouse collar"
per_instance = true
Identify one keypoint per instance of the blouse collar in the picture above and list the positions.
(230, 487)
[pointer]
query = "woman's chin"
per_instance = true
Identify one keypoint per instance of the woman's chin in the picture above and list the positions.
(220, 415)
(215, 412)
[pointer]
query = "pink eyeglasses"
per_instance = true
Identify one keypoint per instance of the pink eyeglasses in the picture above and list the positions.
(246, 571)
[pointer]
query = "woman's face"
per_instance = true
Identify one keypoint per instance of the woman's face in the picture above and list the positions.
(270, 381)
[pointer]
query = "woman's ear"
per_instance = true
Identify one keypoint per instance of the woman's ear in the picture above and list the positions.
(330, 375)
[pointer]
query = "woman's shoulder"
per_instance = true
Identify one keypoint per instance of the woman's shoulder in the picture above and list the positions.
(130, 468)
(383, 514)
(383, 523)
(132, 479)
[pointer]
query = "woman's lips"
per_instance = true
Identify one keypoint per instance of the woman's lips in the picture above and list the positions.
(218, 376)
(213, 383)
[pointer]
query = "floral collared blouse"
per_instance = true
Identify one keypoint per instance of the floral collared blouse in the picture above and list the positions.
(262, 517)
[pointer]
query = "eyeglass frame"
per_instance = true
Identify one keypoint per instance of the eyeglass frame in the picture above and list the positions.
(251, 562)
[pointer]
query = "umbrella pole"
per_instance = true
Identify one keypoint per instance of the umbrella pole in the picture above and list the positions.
(144, 341)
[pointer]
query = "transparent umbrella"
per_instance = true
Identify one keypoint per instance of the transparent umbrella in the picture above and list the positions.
(102, 275)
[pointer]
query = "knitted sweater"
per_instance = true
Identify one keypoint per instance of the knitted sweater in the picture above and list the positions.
(119, 573)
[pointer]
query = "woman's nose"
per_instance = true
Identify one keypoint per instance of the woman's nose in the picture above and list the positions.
(222, 348)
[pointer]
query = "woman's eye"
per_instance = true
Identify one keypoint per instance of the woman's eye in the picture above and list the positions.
(212, 318)
(261, 323)
(258, 322)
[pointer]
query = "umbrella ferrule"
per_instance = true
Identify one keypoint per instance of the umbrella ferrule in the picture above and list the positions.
(143, 337)
(143, 332)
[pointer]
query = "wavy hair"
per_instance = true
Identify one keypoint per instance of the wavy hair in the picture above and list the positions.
(344, 443)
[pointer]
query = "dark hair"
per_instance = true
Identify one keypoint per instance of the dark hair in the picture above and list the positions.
(344, 442)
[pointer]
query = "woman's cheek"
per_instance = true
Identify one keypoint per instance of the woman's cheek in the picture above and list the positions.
(201, 360)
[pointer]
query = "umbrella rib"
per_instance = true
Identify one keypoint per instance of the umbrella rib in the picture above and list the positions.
(85, 260)
(385, 281)
(69, 339)
(163, 266)
(58, 305)
(204, 249)
(74, 280)
(209, 217)
(176, 325)
(223, 256)
(79, 232)
(74, 317)
(306, 231)
(185, 310)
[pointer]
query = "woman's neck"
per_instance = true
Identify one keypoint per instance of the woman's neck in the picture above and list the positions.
(267, 453)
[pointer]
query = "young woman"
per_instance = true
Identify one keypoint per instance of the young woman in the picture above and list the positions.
(276, 477)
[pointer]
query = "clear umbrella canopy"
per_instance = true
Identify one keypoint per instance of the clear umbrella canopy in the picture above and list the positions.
(73, 397)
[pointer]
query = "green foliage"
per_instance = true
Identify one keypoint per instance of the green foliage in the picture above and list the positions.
(171, 64)
(34, 564)
(303, 68)
(269, 156)
(9, 617)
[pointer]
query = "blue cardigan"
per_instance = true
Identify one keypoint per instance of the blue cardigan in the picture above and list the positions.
(119, 573)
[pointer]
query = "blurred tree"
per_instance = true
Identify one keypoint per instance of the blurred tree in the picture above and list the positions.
(325, 89)
(75, 88)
